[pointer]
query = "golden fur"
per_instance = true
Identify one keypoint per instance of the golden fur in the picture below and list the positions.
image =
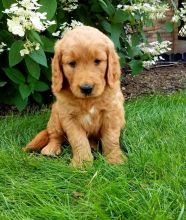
(84, 56)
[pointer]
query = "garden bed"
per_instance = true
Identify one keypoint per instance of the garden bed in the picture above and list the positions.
(161, 79)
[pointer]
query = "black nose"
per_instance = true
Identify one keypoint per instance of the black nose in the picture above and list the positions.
(86, 89)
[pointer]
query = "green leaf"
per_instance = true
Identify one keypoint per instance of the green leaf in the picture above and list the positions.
(31, 80)
(14, 53)
(106, 25)
(24, 91)
(48, 44)
(34, 36)
(19, 102)
(39, 57)
(107, 7)
(122, 59)
(2, 84)
(46, 72)
(40, 86)
(169, 26)
(37, 97)
(8, 3)
(48, 6)
(116, 30)
(32, 67)
(7, 37)
(135, 37)
(15, 75)
(120, 16)
(136, 66)
(53, 28)
(1, 9)
(133, 51)
(95, 7)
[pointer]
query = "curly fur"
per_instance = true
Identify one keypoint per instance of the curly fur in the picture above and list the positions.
(84, 119)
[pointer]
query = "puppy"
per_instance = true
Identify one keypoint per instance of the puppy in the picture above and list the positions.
(89, 101)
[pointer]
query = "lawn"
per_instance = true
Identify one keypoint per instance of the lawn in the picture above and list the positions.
(151, 185)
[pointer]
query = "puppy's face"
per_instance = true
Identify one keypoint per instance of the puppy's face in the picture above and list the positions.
(84, 66)
(86, 59)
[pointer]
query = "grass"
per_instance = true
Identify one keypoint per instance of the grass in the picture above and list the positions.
(151, 185)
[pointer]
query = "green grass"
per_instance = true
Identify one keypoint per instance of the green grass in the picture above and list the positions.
(151, 185)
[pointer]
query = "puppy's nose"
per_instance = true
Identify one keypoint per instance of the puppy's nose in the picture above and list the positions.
(86, 89)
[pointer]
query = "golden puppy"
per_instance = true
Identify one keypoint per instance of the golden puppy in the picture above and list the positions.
(89, 101)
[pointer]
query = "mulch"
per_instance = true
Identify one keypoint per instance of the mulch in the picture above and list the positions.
(162, 79)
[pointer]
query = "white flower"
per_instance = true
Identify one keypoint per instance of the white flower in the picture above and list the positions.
(175, 18)
(37, 24)
(119, 6)
(147, 64)
(29, 47)
(2, 47)
(66, 27)
(154, 50)
(37, 47)
(69, 5)
(42, 16)
(48, 23)
(75, 23)
(35, 2)
(24, 52)
(29, 4)
(56, 34)
(24, 16)
(3, 44)
(153, 10)
(15, 27)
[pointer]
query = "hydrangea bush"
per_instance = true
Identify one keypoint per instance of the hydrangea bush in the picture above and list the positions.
(29, 29)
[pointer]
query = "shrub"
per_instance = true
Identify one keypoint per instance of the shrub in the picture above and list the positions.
(29, 29)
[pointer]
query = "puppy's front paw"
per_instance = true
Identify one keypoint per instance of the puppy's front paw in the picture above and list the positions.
(81, 161)
(116, 158)
(51, 150)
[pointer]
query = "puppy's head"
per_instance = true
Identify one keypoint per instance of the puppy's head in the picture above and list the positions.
(86, 58)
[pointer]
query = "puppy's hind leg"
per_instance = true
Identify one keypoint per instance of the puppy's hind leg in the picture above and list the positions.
(53, 148)
(55, 133)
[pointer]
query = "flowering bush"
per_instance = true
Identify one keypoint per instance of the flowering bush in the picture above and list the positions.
(153, 51)
(24, 16)
(29, 29)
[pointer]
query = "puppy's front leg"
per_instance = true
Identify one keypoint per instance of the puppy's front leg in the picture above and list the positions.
(79, 142)
(110, 134)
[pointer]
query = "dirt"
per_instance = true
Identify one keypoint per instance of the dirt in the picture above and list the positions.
(163, 79)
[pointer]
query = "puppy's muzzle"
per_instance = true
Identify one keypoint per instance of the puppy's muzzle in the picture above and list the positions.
(86, 89)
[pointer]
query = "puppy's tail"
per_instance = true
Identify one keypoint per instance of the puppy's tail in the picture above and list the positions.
(40, 141)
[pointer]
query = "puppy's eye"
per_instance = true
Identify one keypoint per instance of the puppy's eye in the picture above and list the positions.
(97, 61)
(72, 64)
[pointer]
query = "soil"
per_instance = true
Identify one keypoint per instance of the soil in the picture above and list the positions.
(160, 79)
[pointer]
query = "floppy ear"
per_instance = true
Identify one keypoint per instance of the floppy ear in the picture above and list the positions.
(57, 73)
(113, 66)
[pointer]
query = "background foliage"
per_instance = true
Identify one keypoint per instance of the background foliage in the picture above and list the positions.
(26, 79)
